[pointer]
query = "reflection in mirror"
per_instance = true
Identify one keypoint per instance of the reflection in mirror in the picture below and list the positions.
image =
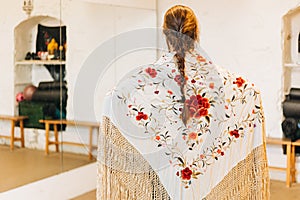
(42, 75)
(32, 141)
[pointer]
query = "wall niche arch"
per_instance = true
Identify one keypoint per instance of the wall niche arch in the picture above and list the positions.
(49, 72)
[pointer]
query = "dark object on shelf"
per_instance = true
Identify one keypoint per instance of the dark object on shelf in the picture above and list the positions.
(56, 71)
(291, 108)
(32, 56)
(49, 101)
(46, 33)
(291, 111)
(51, 85)
(28, 56)
(36, 111)
(54, 91)
(291, 129)
(54, 96)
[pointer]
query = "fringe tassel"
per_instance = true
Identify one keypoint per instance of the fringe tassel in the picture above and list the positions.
(247, 181)
(123, 173)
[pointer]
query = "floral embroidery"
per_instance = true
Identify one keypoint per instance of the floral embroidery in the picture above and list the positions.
(178, 79)
(186, 174)
(234, 133)
(141, 116)
(198, 106)
(239, 81)
(152, 72)
(193, 136)
(204, 98)
(200, 59)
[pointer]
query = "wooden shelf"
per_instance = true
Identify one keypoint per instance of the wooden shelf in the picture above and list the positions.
(40, 62)
(292, 65)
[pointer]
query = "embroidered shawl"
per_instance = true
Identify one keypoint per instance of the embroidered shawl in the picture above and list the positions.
(146, 151)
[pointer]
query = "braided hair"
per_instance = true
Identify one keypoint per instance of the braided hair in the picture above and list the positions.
(181, 30)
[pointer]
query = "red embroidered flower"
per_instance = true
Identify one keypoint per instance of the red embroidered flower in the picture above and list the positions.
(152, 72)
(239, 81)
(198, 106)
(200, 59)
(157, 137)
(186, 173)
(156, 91)
(170, 92)
(141, 116)
(193, 136)
(234, 133)
(211, 85)
(219, 151)
(193, 81)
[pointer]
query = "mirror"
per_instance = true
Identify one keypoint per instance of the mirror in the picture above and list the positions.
(44, 84)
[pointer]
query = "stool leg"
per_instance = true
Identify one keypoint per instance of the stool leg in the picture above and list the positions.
(12, 135)
(288, 170)
(56, 137)
(293, 167)
(22, 133)
(47, 138)
(91, 144)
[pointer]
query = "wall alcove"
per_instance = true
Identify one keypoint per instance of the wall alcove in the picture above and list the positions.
(290, 47)
(37, 71)
(291, 73)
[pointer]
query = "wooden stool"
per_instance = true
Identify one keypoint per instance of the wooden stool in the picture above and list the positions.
(90, 125)
(287, 169)
(293, 160)
(13, 120)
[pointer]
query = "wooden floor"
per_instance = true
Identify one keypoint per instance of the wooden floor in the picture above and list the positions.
(23, 166)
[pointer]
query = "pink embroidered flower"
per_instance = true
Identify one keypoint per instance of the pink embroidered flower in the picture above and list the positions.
(234, 133)
(198, 106)
(211, 85)
(141, 116)
(186, 173)
(152, 72)
(239, 81)
(193, 136)
(178, 79)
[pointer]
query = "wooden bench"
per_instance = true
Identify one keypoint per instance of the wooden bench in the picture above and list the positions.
(55, 123)
(13, 120)
(289, 157)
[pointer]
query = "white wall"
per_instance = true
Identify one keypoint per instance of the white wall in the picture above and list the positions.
(89, 24)
(245, 36)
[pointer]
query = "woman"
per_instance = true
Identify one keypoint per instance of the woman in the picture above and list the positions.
(183, 128)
